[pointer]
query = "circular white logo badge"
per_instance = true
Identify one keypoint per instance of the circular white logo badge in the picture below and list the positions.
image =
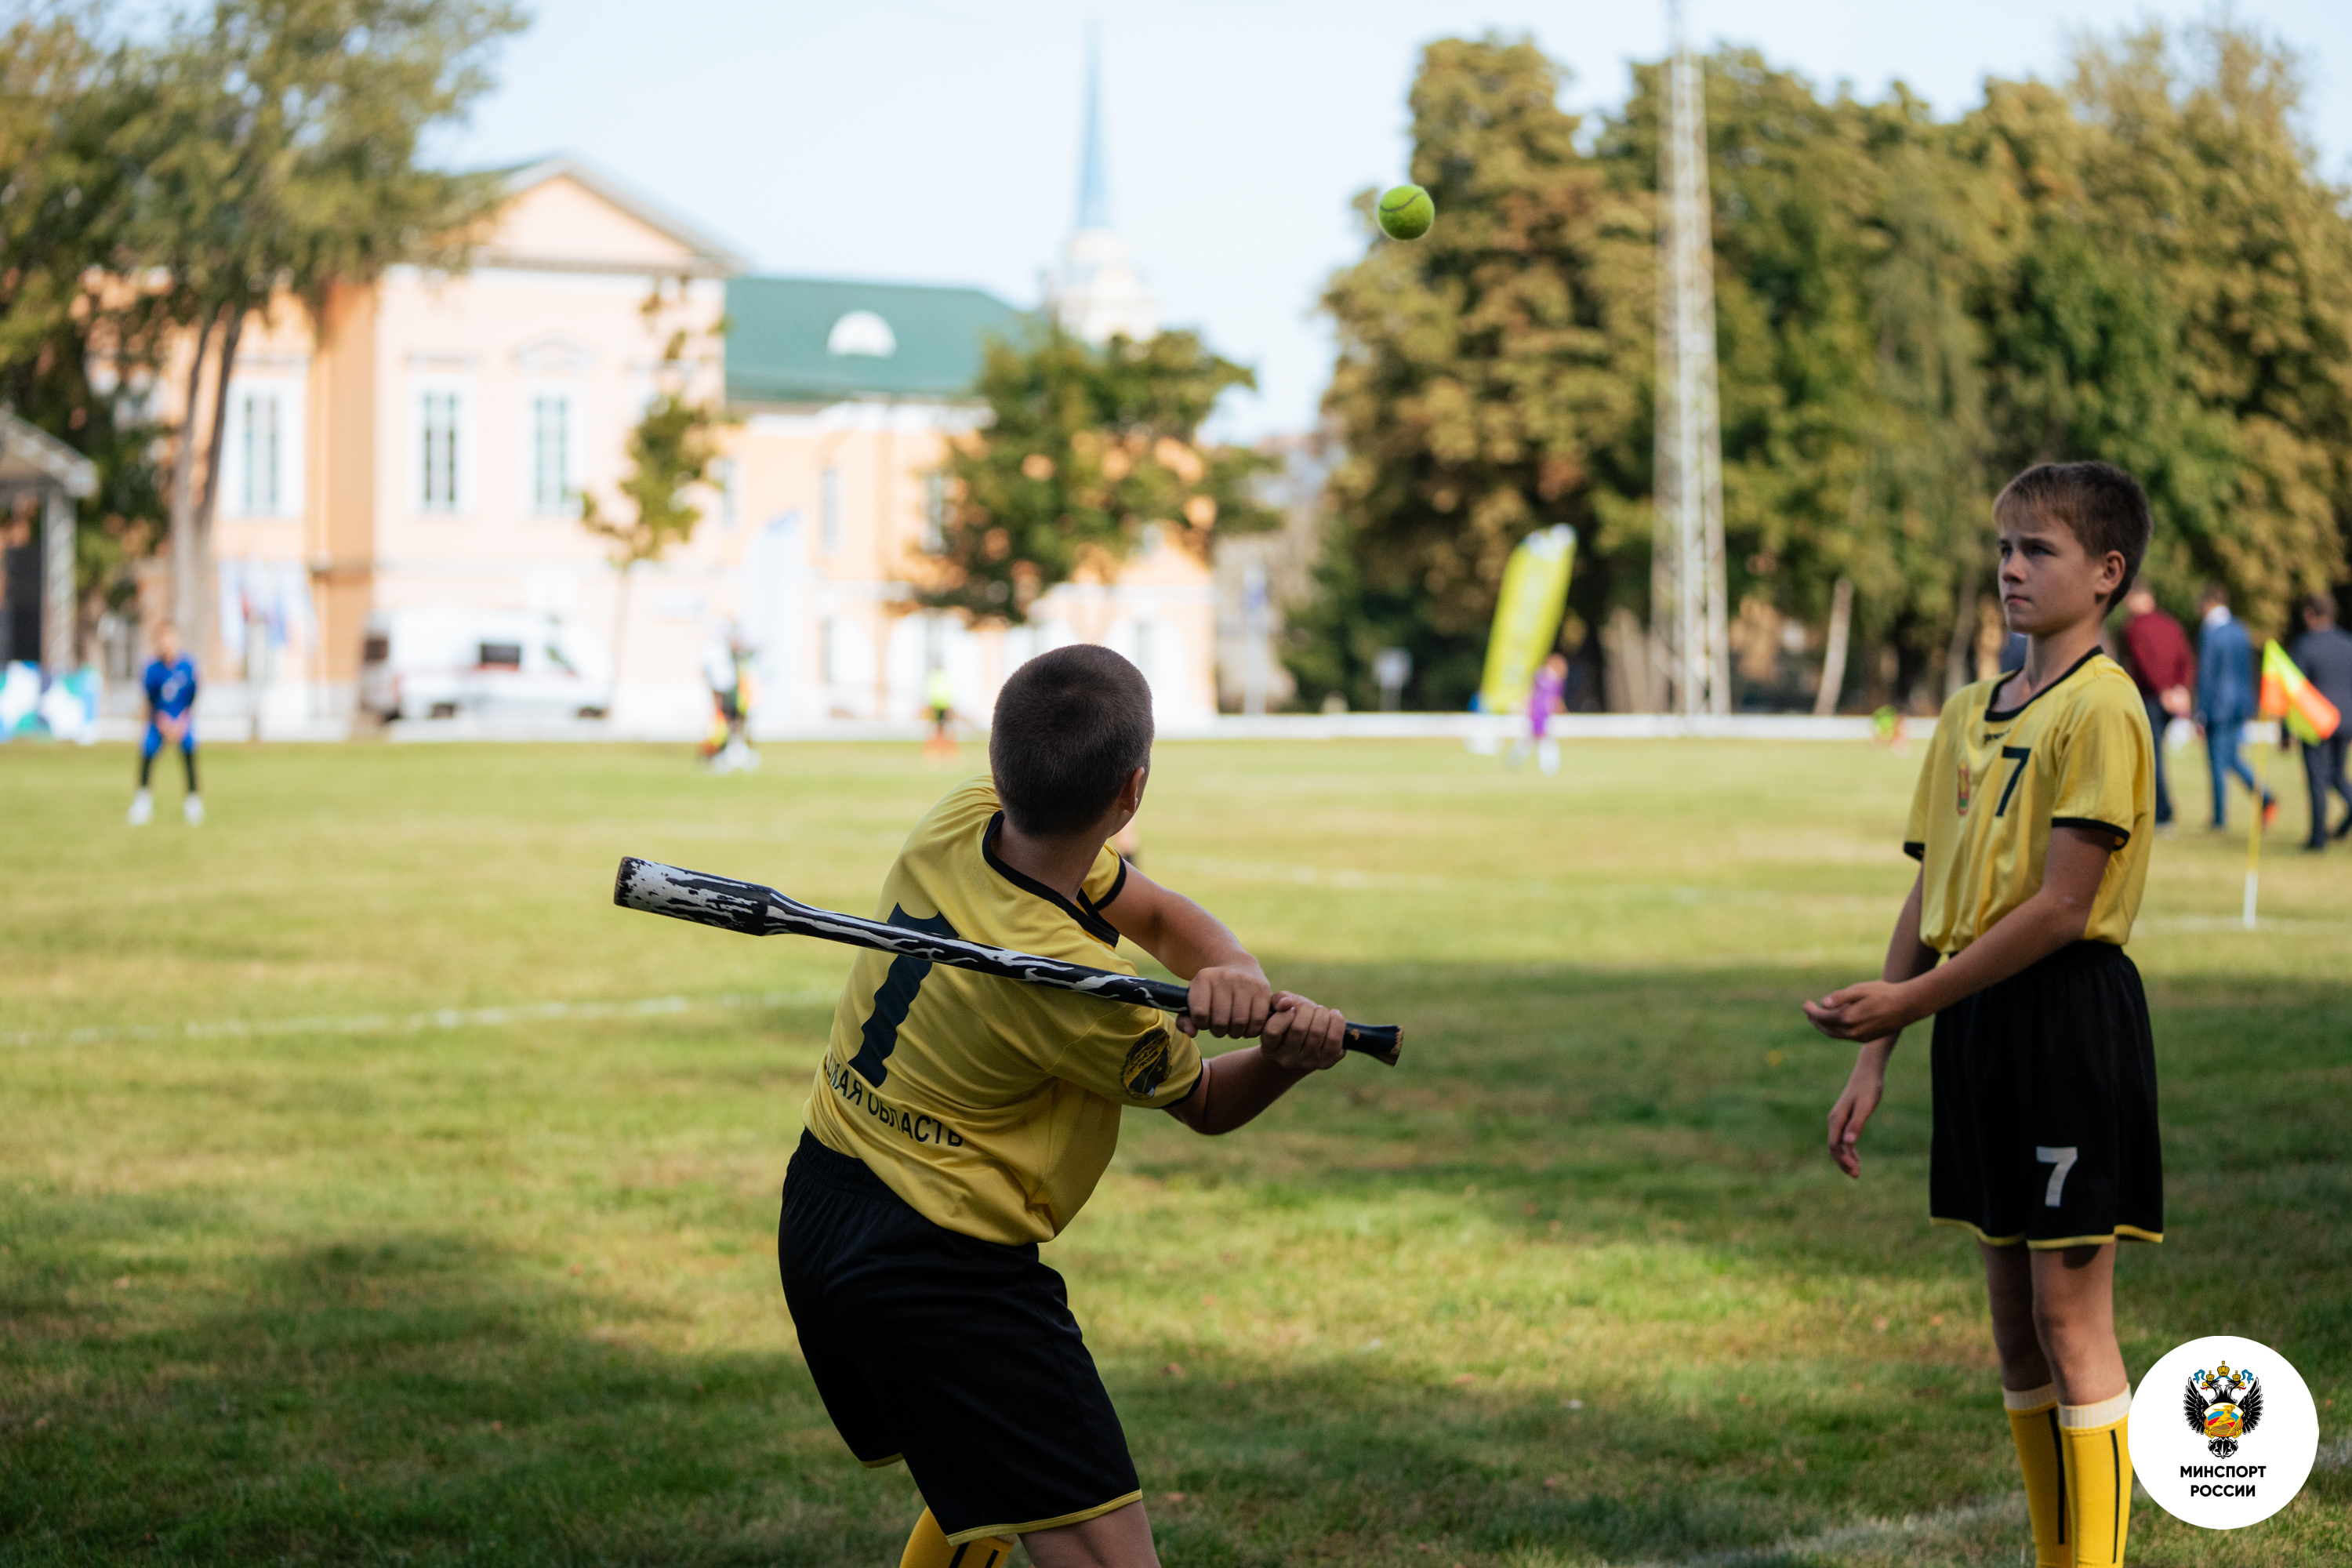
(2223, 1432)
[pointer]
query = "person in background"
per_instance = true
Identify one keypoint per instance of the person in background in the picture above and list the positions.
(2225, 701)
(939, 697)
(1543, 701)
(724, 657)
(171, 683)
(2324, 654)
(2164, 670)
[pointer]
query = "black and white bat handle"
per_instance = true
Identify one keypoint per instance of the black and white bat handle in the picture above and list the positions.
(758, 910)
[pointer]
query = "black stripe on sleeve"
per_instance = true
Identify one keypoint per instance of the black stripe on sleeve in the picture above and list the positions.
(1916, 851)
(1118, 884)
(2122, 835)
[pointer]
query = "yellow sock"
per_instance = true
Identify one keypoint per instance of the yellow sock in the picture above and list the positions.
(2033, 1427)
(929, 1548)
(2098, 1478)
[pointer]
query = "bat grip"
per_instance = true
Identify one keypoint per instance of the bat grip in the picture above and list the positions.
(1382, 1041)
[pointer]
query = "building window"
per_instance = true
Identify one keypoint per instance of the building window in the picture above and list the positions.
(552, 491)
(829, 508)
(257, 451)
(722, 479)
(1147, 650)
(827, 632)
(935, 512)
(440, 429)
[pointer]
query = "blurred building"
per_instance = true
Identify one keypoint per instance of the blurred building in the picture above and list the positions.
(428, 444)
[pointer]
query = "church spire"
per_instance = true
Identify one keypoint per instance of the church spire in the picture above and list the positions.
(1094, 181)
(1097, 293)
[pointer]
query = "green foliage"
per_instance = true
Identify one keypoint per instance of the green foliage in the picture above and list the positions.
(670, 449)
(278, 144)
(1085, 447)
(1493, 378)
(2142, 266)
(62, 110)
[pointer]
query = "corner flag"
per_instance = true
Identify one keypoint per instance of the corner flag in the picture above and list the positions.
(2309, 716)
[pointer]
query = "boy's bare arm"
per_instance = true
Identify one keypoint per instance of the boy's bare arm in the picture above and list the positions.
(1230, 994)
(1906, 957)
(2056, 915)
(1301, 1038)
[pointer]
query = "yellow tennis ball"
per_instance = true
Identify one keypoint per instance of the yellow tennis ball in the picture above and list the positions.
(1406, 212)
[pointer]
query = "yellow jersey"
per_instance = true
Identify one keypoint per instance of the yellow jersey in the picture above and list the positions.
(2077, 753)
(990, 1105)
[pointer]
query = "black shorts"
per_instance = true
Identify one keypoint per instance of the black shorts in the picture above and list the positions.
(956, 1355)
(2045, 1106)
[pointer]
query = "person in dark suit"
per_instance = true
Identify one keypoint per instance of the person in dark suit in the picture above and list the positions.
(2324, 654)
(2226, 701)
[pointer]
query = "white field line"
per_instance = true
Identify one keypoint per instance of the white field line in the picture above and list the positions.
(1852, 1536)
(416, 1023)
(1871, 1533)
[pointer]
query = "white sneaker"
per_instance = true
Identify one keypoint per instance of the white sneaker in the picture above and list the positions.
(193, 809)
(143, 808)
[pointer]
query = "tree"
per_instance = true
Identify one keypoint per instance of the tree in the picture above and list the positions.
(75, 353)
(2224, 262)
(1492, 379)
(2140, 265)
(278, 144)
(670, 449)
(1084, 448)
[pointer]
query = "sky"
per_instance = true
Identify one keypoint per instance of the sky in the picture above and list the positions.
(937, 140)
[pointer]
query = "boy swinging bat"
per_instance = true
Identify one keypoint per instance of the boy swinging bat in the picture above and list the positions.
(958, 1121)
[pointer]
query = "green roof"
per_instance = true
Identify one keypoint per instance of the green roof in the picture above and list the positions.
(786, 341)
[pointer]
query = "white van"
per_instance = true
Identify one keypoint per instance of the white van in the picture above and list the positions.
(441, 661)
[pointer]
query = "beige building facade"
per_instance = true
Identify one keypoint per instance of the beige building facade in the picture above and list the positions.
(421, 450)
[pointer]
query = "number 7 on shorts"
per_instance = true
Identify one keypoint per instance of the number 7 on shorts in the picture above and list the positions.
(2063, 1159)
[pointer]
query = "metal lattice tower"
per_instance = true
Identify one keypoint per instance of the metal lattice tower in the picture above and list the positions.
(1687, 615)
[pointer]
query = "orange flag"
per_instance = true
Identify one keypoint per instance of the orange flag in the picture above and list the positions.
(2287, 695)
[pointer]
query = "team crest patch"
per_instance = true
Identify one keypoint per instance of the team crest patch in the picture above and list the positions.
(1147, 1065)
(2223, 1406)
(1964, 789)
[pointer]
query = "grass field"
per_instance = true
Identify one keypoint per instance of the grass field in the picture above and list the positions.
(372, 1191)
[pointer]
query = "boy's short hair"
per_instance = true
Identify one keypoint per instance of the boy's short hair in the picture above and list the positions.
(1070, 726)
(2102, 505)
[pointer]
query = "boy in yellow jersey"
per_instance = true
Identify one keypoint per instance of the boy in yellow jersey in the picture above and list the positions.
(2030, 822)
(959, 1120)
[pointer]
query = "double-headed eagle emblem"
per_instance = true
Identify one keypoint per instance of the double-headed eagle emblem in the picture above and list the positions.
(2223, 1406)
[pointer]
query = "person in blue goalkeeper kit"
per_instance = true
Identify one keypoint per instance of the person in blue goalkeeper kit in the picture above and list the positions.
(171, 683)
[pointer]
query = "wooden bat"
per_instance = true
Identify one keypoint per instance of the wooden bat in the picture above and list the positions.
(756, 911)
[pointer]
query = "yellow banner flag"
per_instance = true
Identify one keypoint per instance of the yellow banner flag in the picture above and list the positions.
(1527, 617)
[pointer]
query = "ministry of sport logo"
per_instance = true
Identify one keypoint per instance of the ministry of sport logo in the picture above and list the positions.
(2244, 1442)
(2222, 1406)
